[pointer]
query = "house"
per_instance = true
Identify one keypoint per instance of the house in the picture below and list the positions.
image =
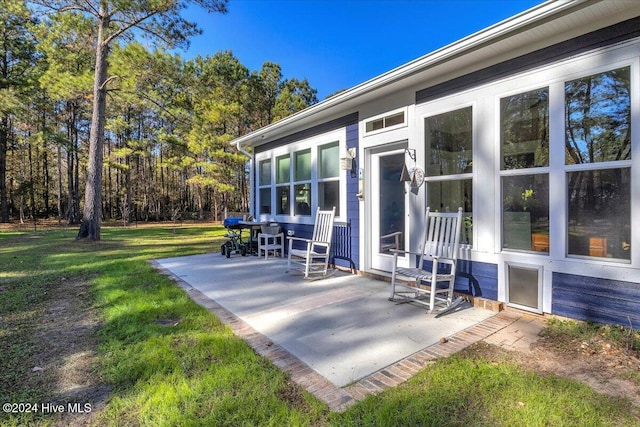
(531, 125)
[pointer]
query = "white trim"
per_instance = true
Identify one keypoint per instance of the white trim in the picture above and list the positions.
(635, 163)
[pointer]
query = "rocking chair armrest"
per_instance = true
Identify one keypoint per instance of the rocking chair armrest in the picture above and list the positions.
(313, 242)
(310, 243)
(302, 239)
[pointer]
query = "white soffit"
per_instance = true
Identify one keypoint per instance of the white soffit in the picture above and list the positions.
(539, 27)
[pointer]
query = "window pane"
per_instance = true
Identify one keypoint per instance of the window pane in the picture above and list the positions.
(374, 125)
(303, 199)
(265, 200)
(396, 119)
(524, 130)
(600, 213)
(283, 165)
(302, 170)
(447, 196)
(329, 195)
(525, 212)
(282, 199)
(392, 209)
(265, 172)
(598, 118)
(329, 161)
(448, 143)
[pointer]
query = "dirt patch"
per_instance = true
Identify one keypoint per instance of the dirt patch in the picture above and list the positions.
(168, 322)
(605, 366)
(68, 360)
(292, 393)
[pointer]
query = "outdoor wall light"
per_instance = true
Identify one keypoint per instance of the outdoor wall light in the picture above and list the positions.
(348, 162)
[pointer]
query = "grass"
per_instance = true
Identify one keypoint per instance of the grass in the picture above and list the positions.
(167, 361)
(461, 391)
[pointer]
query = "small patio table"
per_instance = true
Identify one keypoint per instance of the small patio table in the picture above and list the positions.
(254, 228)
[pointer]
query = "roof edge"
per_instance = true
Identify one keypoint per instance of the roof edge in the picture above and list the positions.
(495, 32)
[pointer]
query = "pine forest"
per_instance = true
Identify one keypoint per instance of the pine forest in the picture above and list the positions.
(86, 95)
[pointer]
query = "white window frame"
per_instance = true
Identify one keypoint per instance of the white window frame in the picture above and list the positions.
(260, 185)
(312, 143)
(554, 77)
(460, 176)
(541, 170)
(383, 116)
(620, 164)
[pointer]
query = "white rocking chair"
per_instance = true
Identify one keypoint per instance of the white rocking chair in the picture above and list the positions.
(314, 257)
(440, 247)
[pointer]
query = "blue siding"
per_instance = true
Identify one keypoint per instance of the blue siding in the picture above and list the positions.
(479, 279)
(338, 123)
(597, 300)
(353, 204)
(617, 33)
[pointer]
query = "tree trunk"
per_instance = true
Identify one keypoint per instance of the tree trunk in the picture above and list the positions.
(91, 213)
(47, 180)
(32, 191)
(59, 167)
(4, 145)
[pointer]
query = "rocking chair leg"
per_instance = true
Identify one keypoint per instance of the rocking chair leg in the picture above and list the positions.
(450, 294)
(432, 296)
(309, 261)
(393, 277)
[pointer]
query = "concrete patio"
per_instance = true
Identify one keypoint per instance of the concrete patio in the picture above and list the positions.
(338, 336)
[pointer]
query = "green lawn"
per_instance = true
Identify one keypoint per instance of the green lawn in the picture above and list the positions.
(164, 360)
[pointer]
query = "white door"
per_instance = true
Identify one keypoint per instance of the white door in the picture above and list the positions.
(388, 207)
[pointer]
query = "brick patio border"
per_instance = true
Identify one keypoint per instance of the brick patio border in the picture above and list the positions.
(340, 398)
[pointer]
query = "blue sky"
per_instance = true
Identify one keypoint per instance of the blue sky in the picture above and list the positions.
(337, 44)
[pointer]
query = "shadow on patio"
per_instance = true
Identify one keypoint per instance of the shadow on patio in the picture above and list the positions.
(338, 336)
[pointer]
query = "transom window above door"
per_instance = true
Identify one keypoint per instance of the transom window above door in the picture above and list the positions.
(388, 121)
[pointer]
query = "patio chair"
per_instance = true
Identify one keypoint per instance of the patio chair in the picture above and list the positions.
(440, 249)
(314, 256)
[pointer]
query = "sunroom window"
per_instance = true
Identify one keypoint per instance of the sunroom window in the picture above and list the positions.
(283, 205)
(264, 183)
(329, 176)
(524, 149)
(449, 143)
(300, 181)
(598, 167)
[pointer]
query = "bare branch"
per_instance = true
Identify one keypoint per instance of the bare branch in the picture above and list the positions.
(52, 6)
(129, 26)
(93, 10)
(108, 81)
